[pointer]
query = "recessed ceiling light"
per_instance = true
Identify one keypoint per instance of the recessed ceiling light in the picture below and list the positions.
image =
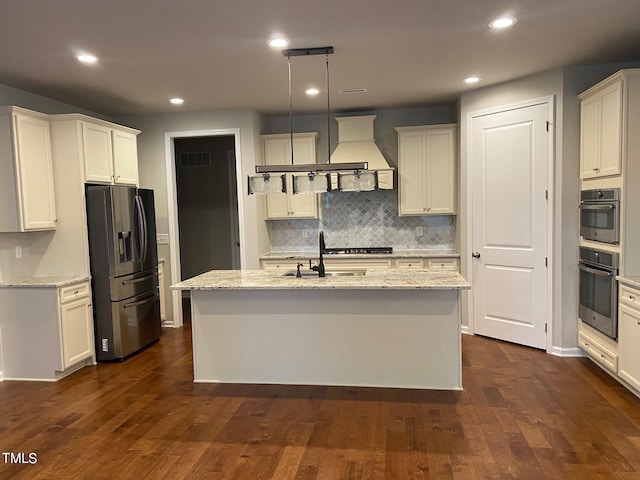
(472, 79)
(312, 92)
(278, 41)
(176, 101)
(502, 22)
(87, 58)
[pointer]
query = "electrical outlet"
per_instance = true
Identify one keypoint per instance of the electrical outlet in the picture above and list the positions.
(419, 231)
(18, 251)
(305, 233)
(162, 238)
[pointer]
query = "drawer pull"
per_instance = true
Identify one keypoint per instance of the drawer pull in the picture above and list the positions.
(632, 298)
(76, 292)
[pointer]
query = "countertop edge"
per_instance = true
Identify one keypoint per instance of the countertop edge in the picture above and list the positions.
(368, 256)
(630, 281)
(53, 281)
(385, 279)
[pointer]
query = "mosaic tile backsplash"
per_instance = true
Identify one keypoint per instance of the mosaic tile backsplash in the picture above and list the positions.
(363, 219)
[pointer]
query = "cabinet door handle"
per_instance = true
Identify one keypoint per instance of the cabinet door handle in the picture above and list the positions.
(632, 298)
(475, 254)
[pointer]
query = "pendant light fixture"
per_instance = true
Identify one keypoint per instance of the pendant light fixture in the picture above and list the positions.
(316, 177)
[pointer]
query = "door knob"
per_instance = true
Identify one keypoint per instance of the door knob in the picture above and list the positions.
(475, 254)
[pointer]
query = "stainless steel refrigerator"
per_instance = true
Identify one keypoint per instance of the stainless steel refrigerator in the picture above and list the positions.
(124, 269)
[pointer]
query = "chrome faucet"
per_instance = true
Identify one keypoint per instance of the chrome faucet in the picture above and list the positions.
(321, 247)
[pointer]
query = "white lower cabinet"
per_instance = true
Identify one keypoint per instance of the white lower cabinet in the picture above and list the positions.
(47, 332)
(629, 336)
(598, 352)
(76, 330)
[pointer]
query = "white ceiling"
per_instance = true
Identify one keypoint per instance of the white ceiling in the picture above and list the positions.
(213, 53)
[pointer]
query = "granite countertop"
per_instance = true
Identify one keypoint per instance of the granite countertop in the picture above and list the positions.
(391, 278)
(396, 254)
(630, 281)
(53, 281)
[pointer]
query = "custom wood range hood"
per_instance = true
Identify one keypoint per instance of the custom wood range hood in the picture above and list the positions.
(356, 144)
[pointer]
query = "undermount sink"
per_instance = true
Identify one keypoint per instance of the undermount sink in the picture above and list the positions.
(334, 273)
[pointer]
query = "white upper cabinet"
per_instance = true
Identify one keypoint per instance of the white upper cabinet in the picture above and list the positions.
(601, 130)
(427, 157)
(277, 151)
(110, 154)
(125, 157)
(26, 172)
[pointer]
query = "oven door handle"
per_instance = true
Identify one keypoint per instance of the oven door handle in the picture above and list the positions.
(591, 206)
(596, 271)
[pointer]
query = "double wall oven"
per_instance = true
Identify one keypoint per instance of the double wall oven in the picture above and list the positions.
(598, 290)
(598, 287)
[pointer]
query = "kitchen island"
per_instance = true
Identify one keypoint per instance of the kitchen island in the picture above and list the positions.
(385, 328)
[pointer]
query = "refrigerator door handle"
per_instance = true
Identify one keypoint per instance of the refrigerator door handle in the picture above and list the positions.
(141, 228)
(136, 280)
(150, 299)
(145, 234)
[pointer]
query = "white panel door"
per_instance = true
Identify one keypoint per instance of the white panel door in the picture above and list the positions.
(510, 152)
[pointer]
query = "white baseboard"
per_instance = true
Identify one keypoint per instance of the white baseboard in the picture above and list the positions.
(567, 352)
(465, 330)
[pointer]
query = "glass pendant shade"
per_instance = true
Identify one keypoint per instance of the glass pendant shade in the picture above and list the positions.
(358, 181)
(311, 183)
(261, 184)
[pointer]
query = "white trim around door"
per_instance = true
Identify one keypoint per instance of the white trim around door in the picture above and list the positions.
(172, 201)
(549, 105)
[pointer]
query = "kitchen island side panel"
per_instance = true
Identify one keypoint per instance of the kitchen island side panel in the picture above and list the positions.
(380, 338)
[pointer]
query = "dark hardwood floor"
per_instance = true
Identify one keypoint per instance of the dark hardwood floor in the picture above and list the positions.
(522, 415)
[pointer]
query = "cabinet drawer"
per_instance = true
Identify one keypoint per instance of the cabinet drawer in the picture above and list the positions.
(630, 296)
(73, 292)
(450, 264)
(348, 264)
(281, 264)
(410, 263)
(598, 353)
